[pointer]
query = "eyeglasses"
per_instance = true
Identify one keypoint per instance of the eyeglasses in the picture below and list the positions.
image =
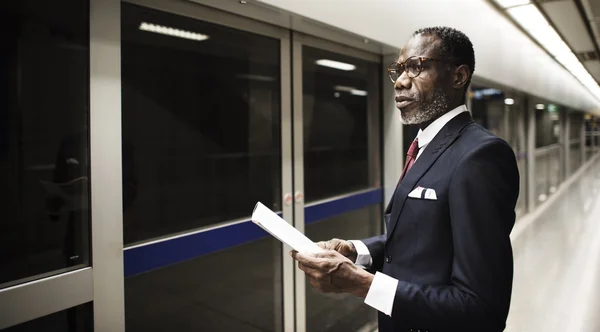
(413, 66)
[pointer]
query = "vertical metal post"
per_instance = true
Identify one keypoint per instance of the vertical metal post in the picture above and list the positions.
(298, 120)
(505, 132)
(531, 128)
(592, 140)
(566, 147)
(582, 139)
(373, 129)
(106, 167)
(522, 147)
(287, 187)
(393, 154)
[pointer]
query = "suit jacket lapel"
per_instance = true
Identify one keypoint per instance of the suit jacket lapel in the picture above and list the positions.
(449, 133)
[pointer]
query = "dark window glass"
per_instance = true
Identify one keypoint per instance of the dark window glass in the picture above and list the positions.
(238, 289)
(76, 319)
(338, 147)
(44, 144)
(576, 118)
(575, 160)
(547, 161)
(342, 312)
(547, 118)
(589, 129)
(508, 120)
(201, 123)
(488, 108)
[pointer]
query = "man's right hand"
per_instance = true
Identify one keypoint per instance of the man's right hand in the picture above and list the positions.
(344, 247)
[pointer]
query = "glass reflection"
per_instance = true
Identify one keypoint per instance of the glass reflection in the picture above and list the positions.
(504, 114)
(44, 138)
(238, 289)
(203, 118)
(341, 312)
(339, 142)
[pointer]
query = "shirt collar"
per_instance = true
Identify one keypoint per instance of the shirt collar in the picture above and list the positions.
(427, 135)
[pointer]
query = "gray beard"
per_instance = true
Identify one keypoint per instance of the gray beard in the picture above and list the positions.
(427, 110)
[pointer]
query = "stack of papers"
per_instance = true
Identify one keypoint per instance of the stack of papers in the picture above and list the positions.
(281, 230)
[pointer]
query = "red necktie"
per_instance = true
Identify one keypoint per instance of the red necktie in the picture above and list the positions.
(411, 156)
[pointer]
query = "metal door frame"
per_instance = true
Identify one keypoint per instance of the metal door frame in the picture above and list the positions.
(101, 281)
(199, 11)
(299, 40)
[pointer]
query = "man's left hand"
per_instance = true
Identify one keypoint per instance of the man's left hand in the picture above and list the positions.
(331, 272)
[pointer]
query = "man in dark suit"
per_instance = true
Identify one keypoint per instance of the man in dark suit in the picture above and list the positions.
(445, 262)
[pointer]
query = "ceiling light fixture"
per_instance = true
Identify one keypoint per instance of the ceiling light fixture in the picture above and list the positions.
(509, 101)
(172, 32)
(512, 3)
(531, 20)
(359, 92)
(343, 88)
(351, 90)
(335, 64)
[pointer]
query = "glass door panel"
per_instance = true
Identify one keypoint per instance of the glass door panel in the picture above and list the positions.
(337, 175)
(202, 105)
(44, 139)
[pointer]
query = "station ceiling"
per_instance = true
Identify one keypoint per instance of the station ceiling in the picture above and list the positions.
(578, 23)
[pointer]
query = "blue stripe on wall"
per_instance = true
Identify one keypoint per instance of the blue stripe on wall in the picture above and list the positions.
(332, 208)
(156, 255)
(160, 254)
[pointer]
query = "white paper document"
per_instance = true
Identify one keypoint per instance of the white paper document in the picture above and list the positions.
(280, 229)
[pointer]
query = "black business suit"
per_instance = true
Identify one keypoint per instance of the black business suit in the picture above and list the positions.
(453, 255)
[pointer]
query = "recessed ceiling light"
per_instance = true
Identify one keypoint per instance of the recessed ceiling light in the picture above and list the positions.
(344, 88)
(335, 64)
(359, 92)
(172, 31)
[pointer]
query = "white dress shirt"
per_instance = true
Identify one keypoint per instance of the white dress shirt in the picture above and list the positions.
(383, 289)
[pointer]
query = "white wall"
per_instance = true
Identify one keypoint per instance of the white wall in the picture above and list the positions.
(503, 53)
(393, 147)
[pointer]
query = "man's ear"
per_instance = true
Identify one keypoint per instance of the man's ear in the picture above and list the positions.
(461, 76)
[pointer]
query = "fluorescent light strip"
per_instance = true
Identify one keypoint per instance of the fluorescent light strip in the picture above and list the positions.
(359, 92)
(344, 88)
(353, 91)
(530, 19)
(172, 32)
(335, 64)
(512, 3)
(534, 22)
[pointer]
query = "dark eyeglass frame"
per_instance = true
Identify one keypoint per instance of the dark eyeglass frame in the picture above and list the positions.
(402, 67)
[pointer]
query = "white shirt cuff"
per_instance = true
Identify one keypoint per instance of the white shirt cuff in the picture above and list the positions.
(363, 257)
(382, 293)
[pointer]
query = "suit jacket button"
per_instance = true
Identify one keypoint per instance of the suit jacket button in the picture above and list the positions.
(388, 259)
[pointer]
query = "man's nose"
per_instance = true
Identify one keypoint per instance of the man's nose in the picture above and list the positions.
(403, 81)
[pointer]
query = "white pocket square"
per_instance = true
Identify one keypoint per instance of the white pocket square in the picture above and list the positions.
(428, 193)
